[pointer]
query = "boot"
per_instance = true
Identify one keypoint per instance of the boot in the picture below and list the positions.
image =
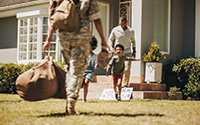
(71, 107)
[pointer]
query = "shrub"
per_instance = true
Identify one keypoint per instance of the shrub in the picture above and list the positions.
(173, 90)
(154, 54)
(9, 73)
(169, 77)
(188, 72)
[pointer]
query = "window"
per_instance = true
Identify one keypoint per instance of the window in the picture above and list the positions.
(33, 31)
(125, 10)
(27, 49)
(162, 24)
(32, 39)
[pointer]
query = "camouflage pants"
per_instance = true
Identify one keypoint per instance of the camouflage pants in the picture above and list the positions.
(75, 52)
(127, 70)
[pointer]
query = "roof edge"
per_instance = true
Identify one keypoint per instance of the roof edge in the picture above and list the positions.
(23, 5)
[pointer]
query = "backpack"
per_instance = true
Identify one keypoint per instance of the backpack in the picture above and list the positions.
(64, 15)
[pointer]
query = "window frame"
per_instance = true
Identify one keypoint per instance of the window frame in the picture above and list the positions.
(39, 38)
(168, 28)
(27, 60)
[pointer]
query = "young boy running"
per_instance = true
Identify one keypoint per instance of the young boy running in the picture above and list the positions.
(89, 72)
(117, 64)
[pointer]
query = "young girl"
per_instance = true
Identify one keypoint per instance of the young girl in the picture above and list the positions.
(89, 72)
(117, 64)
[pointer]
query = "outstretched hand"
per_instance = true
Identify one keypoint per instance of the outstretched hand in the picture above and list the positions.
(137, 59)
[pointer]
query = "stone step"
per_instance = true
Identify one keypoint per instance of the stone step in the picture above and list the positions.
(137, 95)
(136, 86)
(148, 87)
(102, 79)
(95, 90)
(156, 95)
(91, 94)
(140, 90)
(99, 86)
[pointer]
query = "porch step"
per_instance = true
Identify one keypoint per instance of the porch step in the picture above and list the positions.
(140, 91)
(137, 95)
(136, 86)
(95, 90)
(102, 79)
(148, 87)
(155, 95)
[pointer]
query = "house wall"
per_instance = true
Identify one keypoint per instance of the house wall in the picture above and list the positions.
(182, 42)
(176, 32)
(182, 28)
(8, 39)
(189, 28)
(11, 28)
(8, 35)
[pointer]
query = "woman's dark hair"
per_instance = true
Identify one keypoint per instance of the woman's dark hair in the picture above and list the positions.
(93, 42)
(119, 45)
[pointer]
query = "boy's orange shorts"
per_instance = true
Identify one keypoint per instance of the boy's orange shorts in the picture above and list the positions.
(116, 78)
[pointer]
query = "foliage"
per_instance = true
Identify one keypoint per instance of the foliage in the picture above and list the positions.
(9, 73)
(60, 64)
(188, 72)
(154, 54)
(169, 77)
(173, 90)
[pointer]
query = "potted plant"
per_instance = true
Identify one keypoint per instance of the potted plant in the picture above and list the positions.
(153, 70)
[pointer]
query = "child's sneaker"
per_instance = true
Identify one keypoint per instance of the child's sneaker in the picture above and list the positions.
(116, 96)
(119, 98)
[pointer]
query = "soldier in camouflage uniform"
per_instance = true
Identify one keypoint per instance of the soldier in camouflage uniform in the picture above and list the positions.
(76, 49)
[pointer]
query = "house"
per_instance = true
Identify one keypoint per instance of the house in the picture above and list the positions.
(173, 24)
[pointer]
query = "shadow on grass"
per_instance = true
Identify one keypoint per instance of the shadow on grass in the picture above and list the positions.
(10, 101)
(119, 115)
(104, 114)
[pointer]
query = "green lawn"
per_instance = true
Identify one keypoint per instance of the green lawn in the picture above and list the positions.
(13, 110)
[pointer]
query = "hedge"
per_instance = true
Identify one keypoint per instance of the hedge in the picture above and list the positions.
(188, 73)
(9, 73)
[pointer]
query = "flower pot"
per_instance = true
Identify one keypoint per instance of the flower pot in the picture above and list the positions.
(153, 72)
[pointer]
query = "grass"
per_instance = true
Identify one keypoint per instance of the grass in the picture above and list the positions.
(14, 110)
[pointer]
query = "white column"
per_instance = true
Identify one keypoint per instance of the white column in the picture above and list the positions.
(137, 69)
(197, 30)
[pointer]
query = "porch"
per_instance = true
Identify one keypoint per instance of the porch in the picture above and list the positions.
(140, 90)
